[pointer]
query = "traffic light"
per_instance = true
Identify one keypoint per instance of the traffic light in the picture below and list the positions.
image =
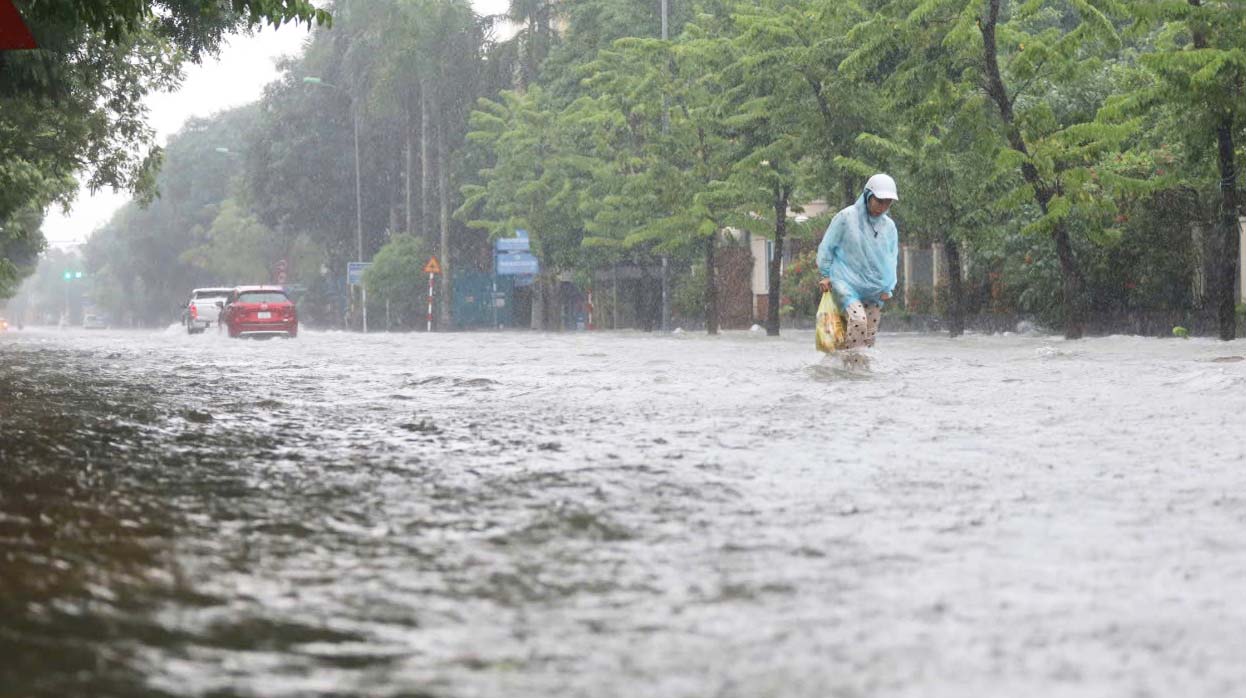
(68, 275)
(78, 275)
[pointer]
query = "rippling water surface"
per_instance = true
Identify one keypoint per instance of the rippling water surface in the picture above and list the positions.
(619, 515)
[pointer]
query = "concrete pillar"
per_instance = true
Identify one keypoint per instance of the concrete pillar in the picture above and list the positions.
(1241, 259)
(906, 264)
(1198, 280)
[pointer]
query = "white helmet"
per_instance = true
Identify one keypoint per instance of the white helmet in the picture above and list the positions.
(882, 187)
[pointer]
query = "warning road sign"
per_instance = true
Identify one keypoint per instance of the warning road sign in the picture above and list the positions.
(433, 267)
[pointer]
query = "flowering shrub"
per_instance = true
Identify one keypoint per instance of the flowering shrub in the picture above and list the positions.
(799, 294)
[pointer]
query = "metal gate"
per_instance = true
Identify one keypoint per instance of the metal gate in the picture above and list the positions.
(477, 303)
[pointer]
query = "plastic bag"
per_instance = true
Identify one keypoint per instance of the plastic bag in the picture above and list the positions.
(830, 325)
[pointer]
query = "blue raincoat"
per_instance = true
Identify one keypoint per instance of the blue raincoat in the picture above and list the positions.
(859, 253)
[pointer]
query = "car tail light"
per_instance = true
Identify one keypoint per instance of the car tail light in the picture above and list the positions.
(194, 312)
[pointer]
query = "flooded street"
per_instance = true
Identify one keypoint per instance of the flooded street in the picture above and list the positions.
(619, 515)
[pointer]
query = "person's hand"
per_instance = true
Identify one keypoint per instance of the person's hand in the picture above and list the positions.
(885, 296)
(824, 285)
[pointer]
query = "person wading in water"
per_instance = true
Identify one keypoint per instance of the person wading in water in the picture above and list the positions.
(857, 259)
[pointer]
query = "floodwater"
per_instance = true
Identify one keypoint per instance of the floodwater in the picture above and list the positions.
(620, 515)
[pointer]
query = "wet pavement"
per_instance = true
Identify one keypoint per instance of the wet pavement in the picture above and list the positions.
(619, 515)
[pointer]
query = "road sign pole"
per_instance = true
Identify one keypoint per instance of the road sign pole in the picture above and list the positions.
(430, 302)
(364, 290)
(433, 268)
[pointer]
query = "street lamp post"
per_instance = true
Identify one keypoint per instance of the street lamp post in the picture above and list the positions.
(358, 188)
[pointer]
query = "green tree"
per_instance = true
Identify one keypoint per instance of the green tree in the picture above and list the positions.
(396, 278)
(774, 112)
(141, 253)
(1198, 64)
(236, 248)
(75, 104)
(536, 181)
(1041, 66)
(400, 69)
(20, 245)
(940, 143)
(536, 35)
(686, 148)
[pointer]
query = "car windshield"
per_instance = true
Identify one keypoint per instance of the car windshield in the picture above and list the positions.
(262, 297)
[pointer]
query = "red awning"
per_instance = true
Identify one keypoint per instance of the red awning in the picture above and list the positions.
(13, 31)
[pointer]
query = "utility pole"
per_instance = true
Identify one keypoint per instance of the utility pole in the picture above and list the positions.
(354, 113)
(363, 289)
(666, 122)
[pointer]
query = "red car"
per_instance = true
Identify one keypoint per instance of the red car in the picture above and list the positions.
(259, 311)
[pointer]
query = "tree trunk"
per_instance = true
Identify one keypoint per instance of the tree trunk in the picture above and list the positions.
(425, 228)
(443, 198)
(711, 286)
(528, 70)
(1228, 237)
(406, 183)
(559, 321)
(955, 288)
(781, 195)
(1074, 314)
(614, 297)
(537, 321)
(1225, 246)
(1071, 275)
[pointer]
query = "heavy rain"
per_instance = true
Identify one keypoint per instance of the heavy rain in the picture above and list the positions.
(625, 348)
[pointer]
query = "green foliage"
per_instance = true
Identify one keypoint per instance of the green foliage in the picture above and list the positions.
(688, 294)
(801, 296)
(236, 248)
(1090, 122)
(75, 106)
(20, 245)
(193, 26)
(537, 181)
(151, 257)
(45, 296)
(396, 276)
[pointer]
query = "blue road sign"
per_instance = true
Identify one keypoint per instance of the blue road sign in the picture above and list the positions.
(514, 263)
(519, 243)
(354, 272)
(512, 256)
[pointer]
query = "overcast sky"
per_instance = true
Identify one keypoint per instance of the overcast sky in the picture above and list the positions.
(245, 66)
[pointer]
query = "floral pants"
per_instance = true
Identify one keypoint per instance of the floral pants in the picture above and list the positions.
(862, 325)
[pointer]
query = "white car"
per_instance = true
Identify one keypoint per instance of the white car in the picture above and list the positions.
(203, 310)
(94, 321)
